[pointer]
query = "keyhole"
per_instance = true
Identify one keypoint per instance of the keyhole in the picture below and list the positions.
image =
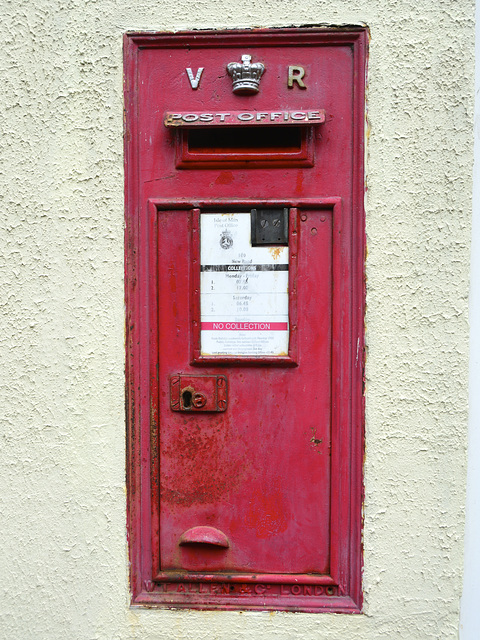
(187, 399)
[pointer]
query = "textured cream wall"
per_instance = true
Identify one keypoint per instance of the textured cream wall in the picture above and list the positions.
(63, 561)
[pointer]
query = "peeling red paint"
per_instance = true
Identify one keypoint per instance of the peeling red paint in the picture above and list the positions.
(268, 515)
(225, 177)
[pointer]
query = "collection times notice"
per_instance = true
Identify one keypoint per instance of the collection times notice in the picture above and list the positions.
(243, 290)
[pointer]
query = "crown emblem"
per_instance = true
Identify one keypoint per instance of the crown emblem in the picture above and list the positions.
(245, 76)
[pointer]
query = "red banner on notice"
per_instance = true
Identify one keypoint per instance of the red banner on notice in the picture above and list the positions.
(244, 326)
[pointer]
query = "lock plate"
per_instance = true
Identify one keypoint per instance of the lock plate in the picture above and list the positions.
(198, 393)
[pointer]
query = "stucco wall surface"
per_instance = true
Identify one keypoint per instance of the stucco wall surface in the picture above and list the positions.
(64, 565)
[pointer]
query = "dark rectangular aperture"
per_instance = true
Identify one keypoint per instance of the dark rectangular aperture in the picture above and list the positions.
(231, 140)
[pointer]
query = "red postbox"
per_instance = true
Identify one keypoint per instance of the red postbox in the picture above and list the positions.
(245, 251)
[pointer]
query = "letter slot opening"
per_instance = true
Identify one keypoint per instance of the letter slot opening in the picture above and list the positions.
(234, 140)
(245, 146)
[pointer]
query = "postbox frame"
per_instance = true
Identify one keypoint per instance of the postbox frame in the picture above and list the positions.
(342, 587)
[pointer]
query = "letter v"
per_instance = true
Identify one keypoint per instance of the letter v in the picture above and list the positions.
(194, 81)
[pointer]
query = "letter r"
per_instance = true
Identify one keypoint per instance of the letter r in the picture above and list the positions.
(295, 74)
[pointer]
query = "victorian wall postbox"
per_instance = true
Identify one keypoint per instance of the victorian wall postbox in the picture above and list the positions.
(245, 251)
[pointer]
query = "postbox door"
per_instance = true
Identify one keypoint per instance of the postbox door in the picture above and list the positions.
(256, 472)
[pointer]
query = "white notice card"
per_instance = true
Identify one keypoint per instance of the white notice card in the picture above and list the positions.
(243, 290)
